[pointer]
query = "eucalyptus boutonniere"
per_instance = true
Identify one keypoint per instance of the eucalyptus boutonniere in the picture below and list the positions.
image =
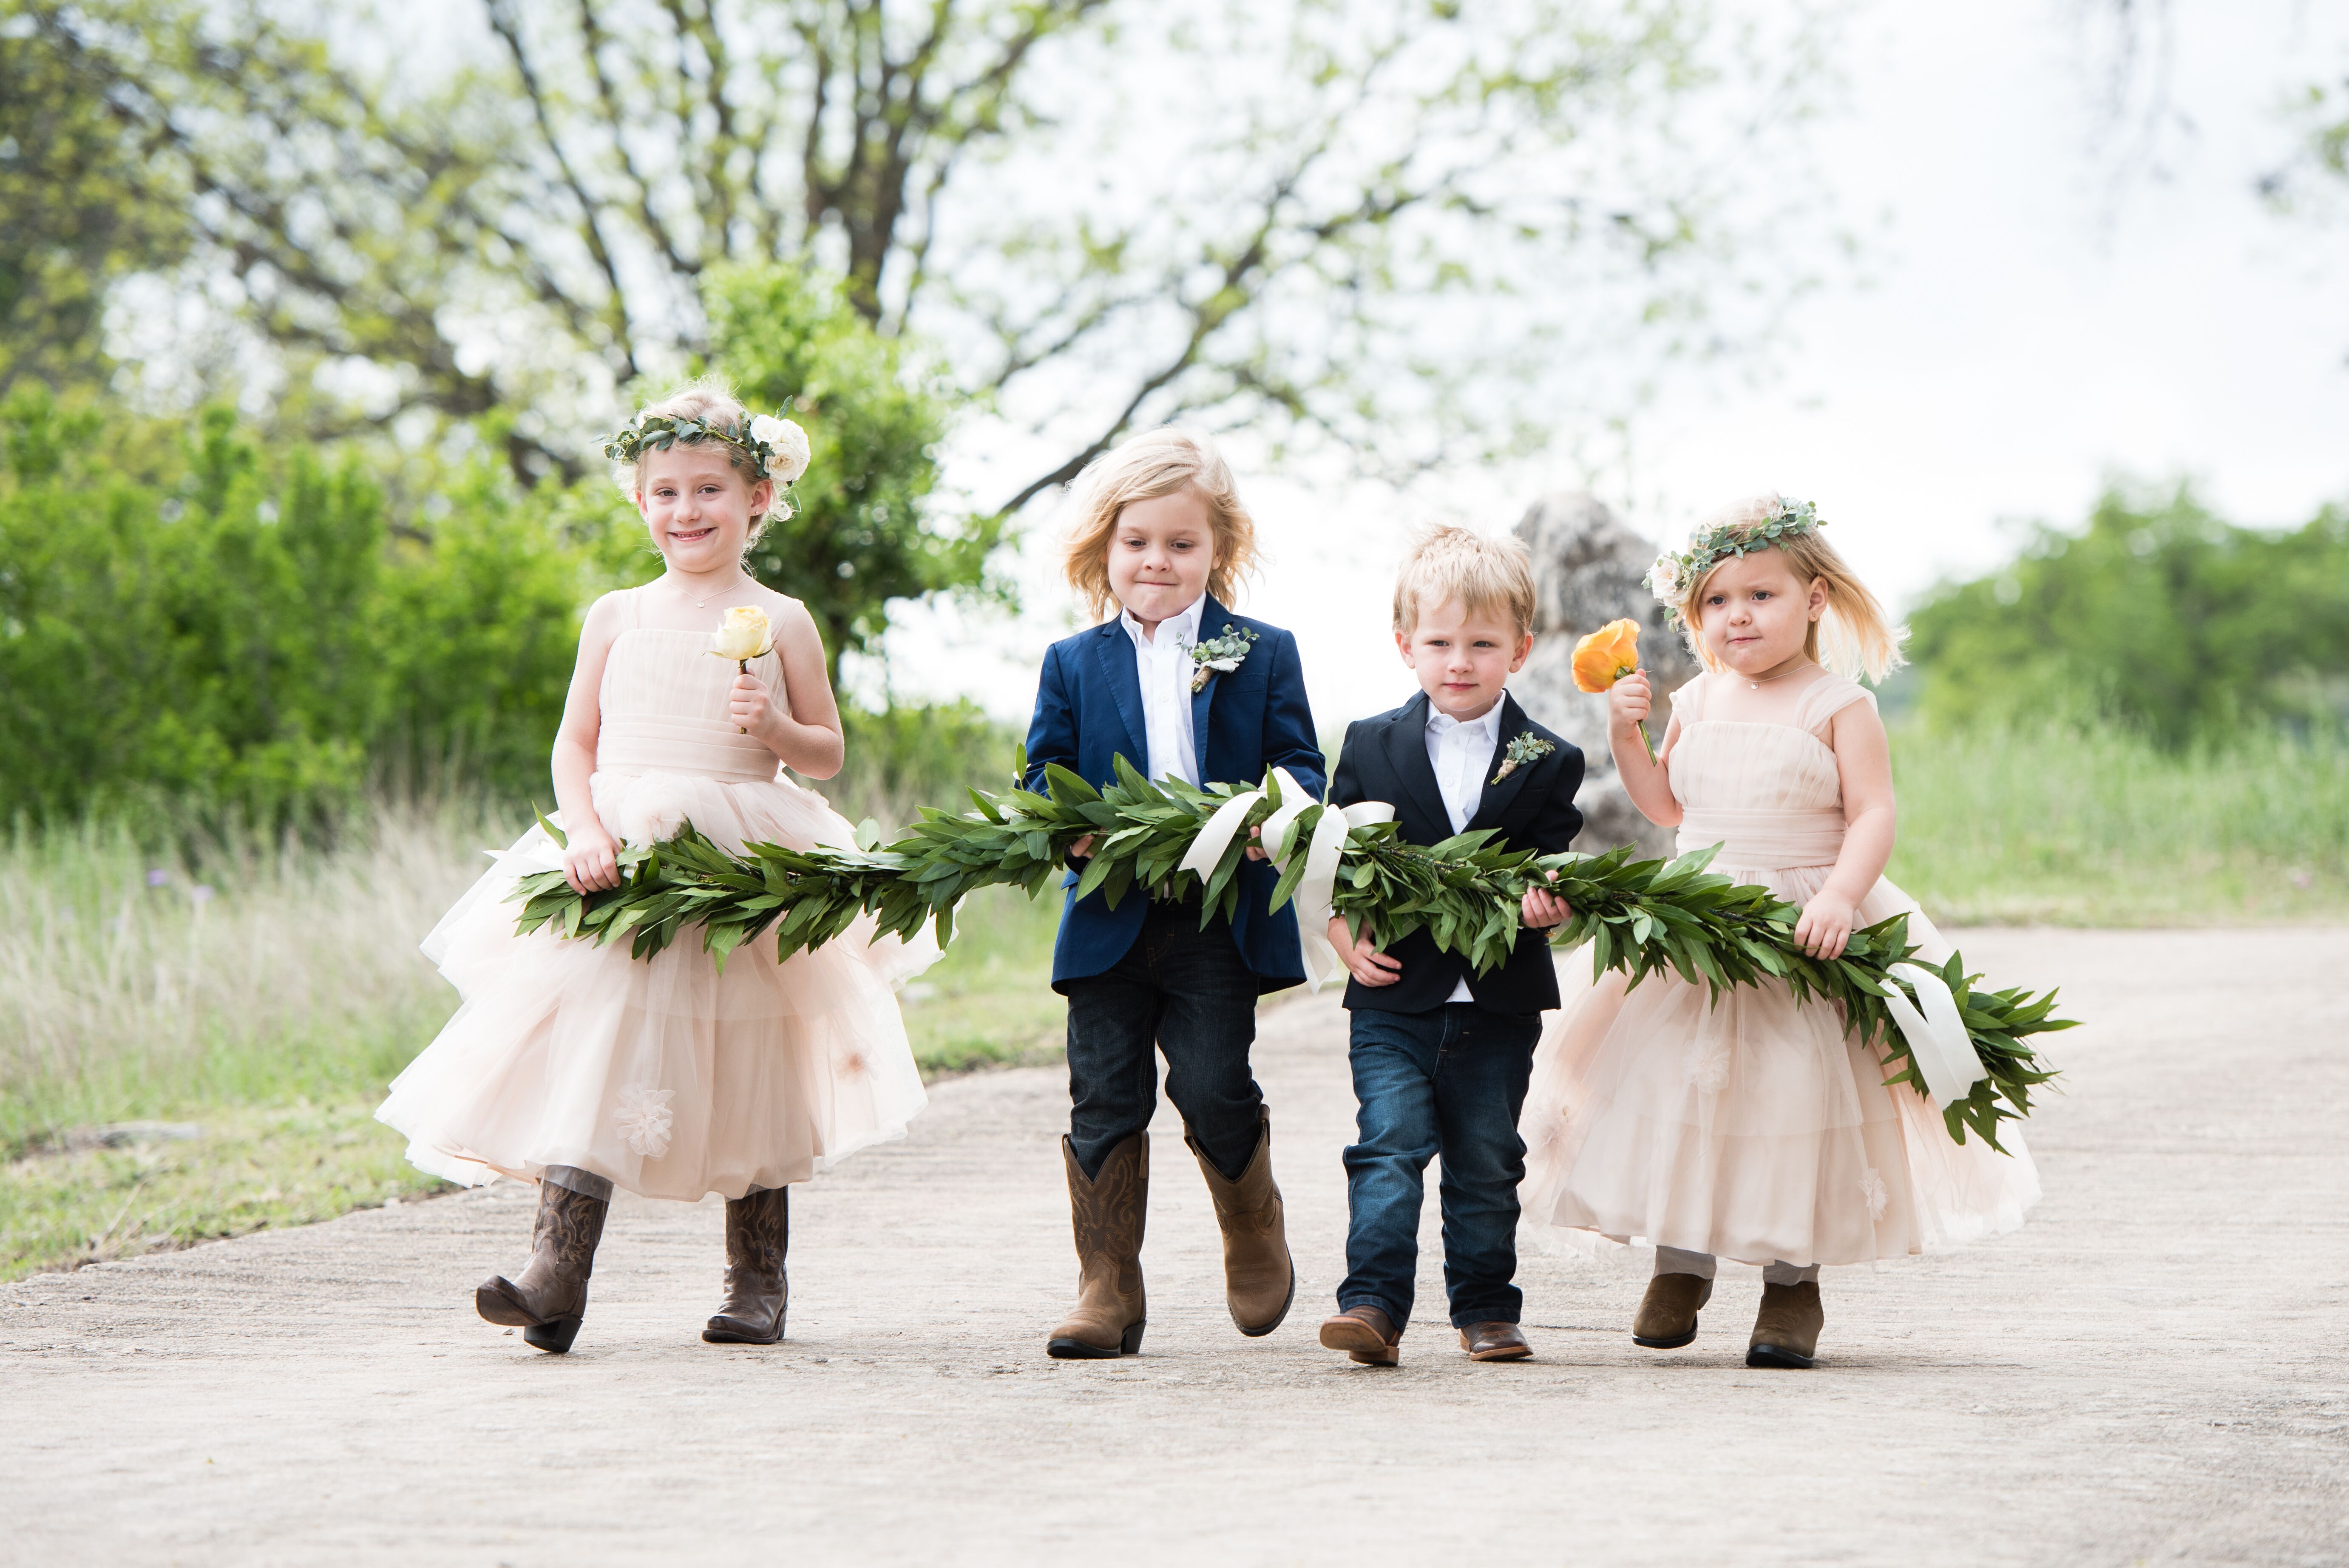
(1219, 655)
(1527, 748)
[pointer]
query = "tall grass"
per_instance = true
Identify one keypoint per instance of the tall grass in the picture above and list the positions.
(2084, 825)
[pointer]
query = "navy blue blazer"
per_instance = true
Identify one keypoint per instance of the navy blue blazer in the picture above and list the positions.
(1385, 758)
(1243, 724)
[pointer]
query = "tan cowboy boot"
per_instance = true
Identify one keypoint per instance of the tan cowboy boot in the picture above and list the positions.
(548, 1299)
(1667, 1315)
(1260, 1278)
(1107, 1215)
(758, 1235)
(1365, 1333)
(1786, 1329)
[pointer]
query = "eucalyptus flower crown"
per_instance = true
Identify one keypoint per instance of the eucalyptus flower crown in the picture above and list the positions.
(1671, 576)
(778, 447)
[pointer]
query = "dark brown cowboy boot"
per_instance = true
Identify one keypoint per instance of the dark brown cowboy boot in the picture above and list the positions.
(1260, 1278)
(1667, 1315)
(1494, 1342)
(1786, 1329)
(1107, 1215)
(1365, 1333)
(757, 1233)
(550, 1297)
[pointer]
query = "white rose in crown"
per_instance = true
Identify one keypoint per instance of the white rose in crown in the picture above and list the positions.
(786, 443)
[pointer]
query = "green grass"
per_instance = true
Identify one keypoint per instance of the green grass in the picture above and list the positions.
(2099, 826)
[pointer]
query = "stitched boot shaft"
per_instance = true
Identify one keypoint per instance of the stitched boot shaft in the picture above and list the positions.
(1106, 1215)
(1259, 1279)
(1667, 1315)
(550, 1294)
(1786, 1329)
(758, 1288)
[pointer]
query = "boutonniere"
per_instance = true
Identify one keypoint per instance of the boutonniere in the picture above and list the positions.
(1219, 655)
(1527, 748)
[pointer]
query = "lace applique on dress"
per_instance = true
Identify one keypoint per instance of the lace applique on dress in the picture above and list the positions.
(1872, 1188)
(643, 1118)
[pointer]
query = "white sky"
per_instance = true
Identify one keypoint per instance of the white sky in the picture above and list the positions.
(2023, 334)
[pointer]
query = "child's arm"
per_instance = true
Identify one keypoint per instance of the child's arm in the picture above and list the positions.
(1551, 831)
(1360, 955)
(1052, 736)
(1645, 779)
(1864, 764)
(591, 856)
(1290, 741)
(803, 729)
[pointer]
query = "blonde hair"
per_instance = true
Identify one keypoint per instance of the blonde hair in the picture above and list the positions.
(1484, 573)
(711, 400)
(1142, 468)
(1854, 637)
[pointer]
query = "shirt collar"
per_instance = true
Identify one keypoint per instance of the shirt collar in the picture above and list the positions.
(1185, 624)
(1486, 729)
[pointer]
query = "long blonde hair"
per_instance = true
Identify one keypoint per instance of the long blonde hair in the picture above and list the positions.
(1142, 468)
(1855, 637)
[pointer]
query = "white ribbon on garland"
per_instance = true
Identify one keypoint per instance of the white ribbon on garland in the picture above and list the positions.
(1319, 886)
(1937, 1037)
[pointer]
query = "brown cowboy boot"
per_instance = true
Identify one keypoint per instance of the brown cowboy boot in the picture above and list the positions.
(1366, 1334)
(1786, 1329)
(548, 1299)
(757, 1233)
(1107, 1215)
(1259, 1277)
(1667, 1315)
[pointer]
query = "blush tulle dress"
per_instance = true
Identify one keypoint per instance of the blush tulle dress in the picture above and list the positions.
(1751, 1128)
(662, 1076)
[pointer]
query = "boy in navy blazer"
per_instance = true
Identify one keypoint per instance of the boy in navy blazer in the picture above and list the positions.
(1440, 1054)
(1182, 687)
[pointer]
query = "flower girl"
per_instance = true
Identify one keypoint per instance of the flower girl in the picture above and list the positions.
(1752, 1128)
(582, 1068)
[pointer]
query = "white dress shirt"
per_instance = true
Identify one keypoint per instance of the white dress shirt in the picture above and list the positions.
(1163, 663)
(1460, 753)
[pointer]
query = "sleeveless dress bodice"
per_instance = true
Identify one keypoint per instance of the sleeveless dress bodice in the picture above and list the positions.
(665, 708)
(1769, 794)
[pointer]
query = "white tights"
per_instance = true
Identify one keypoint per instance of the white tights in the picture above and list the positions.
(1672, 1260)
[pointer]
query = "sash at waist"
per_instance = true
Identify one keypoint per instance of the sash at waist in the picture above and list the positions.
(1765, 840)
(699, 747)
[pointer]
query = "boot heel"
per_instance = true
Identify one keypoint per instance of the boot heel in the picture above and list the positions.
(555, 1336)
(1130, 1342)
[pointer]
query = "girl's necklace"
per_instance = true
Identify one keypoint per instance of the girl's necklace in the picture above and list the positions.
(703, 602)
(1765, 680)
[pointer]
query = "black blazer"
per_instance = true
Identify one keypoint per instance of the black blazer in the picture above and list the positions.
(1385, 758)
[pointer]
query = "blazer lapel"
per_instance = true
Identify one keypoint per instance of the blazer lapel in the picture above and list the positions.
(1496, 796)
(1407, 754)
(1211, 625)
(1114, 651)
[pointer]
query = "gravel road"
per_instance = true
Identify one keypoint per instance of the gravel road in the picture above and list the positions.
(2153, 1370)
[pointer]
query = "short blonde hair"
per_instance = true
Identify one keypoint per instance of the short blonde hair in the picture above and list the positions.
(1855, 637)
(1142, 468)
(711, 400)
(1484, 573)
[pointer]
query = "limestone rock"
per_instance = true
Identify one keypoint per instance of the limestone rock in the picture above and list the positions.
(1588, 567)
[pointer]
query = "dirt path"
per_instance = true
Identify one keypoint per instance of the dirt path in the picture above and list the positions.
(2152, 1370)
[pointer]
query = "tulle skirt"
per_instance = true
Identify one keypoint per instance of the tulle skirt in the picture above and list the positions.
(664, 1075)
(1751, 1128)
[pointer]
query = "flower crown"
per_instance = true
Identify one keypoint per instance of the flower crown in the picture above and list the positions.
(778, 447)
(1671, 576)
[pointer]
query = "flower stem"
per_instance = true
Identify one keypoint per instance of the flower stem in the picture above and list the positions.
(744, 665)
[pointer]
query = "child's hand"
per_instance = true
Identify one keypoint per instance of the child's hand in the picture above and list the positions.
(591, 862)
(1362, 958)
(1627, 705)
(1081, 847)
(753, 708)
(1540, 910)
(1255, 849)
(1826, 926)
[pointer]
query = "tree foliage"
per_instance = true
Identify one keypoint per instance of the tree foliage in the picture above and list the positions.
(1387, 223)
(2160, 615)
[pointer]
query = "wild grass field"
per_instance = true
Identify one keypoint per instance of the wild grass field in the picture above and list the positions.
(251, 998)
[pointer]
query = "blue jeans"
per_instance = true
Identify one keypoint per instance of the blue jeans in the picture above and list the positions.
(1448, 1082)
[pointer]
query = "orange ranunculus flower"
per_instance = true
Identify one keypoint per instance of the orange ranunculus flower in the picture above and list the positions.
(1606, 656)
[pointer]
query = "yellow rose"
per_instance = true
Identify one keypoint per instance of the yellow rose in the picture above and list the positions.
(1606, 656)
(744, 636)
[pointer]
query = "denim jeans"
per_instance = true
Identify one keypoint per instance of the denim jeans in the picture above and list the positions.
(1183, 991)
(1448, 1082)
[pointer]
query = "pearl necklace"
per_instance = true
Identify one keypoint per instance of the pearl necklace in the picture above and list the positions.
(1765, 680)
(703, 602)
